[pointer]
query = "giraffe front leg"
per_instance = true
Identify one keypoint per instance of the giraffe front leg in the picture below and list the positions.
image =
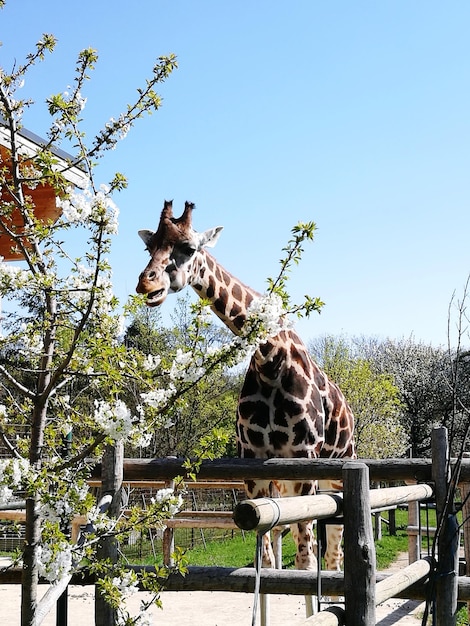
(304, 538)
(334, 552)
(334, 532)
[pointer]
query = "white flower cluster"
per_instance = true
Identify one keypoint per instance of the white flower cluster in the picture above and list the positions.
(186, 367)
(30, 343)
(117, 422)
(82, 280)
(59, 123)
(168, 500)
(12, 277)
(267, 316)
(55, 561)
(13, 474)
(139, 436)
(151, 362)
(127, 584)
(101, 522)
(114, 419)
(84, 206)
(121, 125)
(204, 315)
(158, 398)
(79, 100)
(57, 509)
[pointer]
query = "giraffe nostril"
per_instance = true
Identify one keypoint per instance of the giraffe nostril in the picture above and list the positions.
(151, 275)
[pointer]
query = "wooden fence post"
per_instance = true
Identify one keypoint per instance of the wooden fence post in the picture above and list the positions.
(359, 549)
(465, 496)
(112, 475)
(448, 535)
(414, 539)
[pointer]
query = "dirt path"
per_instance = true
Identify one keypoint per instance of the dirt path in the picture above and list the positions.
(205, 608)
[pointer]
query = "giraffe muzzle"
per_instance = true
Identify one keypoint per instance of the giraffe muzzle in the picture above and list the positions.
(155, 297)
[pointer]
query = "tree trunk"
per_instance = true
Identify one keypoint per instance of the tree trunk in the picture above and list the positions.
(30, 576)
(29, 581)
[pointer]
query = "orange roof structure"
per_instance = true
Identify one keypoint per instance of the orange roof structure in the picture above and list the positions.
(43, 195)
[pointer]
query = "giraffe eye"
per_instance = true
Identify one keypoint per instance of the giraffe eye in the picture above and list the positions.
(186, 249)
(181, 254)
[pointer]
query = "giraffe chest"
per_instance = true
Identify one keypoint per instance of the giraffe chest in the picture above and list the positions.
(281, 417)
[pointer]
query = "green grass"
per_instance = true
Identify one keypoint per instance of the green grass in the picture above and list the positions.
(239, 551)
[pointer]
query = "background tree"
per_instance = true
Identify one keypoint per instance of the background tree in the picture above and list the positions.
(209, 411)
(372, 396)
(422, 375)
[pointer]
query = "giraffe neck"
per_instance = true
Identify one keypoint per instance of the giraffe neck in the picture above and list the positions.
(229, 297)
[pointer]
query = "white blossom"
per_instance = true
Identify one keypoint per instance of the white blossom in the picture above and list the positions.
(168, 500)
(101, 521)
(140, 438)
(80, 100)
(151, 362)
(76, 206)
(126, 584)
(157, 398)
(63, 507)
(268, 314)
(114, 419)
(186, 367)
(120, 125)
(12, 277)
(31, 343)
(55, 562)
(13, 473)
(84, 206)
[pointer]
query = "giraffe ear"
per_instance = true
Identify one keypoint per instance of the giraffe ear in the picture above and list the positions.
(208, 238)
(146, 236)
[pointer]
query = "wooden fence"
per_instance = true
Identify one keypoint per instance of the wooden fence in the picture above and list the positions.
(439, 582)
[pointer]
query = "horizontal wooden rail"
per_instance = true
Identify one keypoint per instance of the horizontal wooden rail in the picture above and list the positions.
(394, 584)
(221, 522)
(390, 470)
(293, 582)
(399, 495)
(414, 531)
(189, 485)
(265, 513)
(332, 616)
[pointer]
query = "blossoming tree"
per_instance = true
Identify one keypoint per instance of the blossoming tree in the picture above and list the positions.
(60, 327)
(63, 365)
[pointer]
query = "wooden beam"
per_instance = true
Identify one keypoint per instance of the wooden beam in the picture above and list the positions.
(400, 581)
(390, 470)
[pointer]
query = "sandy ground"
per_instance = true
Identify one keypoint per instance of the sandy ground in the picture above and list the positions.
(203, 608)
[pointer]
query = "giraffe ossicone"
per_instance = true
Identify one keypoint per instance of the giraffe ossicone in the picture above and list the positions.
(288, 408)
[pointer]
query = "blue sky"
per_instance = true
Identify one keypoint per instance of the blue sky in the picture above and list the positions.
(353, 114)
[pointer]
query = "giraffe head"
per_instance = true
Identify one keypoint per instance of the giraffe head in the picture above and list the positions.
(173, 248)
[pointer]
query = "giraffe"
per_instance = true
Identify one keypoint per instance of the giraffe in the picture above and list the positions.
(287, 408)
